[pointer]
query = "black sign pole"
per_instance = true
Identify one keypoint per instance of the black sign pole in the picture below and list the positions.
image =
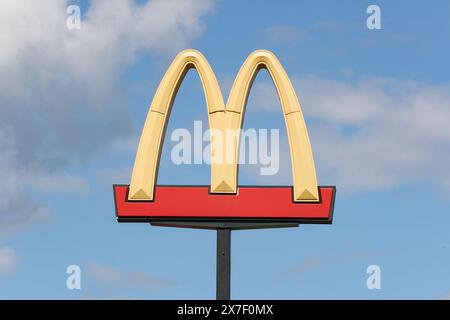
(223, 275)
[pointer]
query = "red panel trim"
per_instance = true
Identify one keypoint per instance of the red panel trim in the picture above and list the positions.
(179, 202)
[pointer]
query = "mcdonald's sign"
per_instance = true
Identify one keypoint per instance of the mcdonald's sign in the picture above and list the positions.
(223, 200)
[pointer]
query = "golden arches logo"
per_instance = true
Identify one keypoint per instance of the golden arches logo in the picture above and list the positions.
(223, 117)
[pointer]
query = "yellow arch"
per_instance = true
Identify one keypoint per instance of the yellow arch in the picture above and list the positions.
(224, 174)
(145, 168)
(304, 173)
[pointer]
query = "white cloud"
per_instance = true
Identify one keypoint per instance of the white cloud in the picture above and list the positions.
(315, 262)
(111, 176)
(283, 33)
(62, 183)
(8, 260)
(374, 133)
(17, 208)
(114, 278)
(445, 296)
(60, 97)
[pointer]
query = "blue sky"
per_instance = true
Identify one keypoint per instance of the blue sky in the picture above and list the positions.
(376, 102)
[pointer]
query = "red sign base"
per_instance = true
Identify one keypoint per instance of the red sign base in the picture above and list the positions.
(250, 204)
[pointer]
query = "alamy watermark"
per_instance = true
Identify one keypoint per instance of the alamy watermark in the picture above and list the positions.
(373, 22)
(73, 281)
(374, 279)
(73, 21)
(260, 146)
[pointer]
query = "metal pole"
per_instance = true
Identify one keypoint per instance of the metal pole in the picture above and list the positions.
(223, 264)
